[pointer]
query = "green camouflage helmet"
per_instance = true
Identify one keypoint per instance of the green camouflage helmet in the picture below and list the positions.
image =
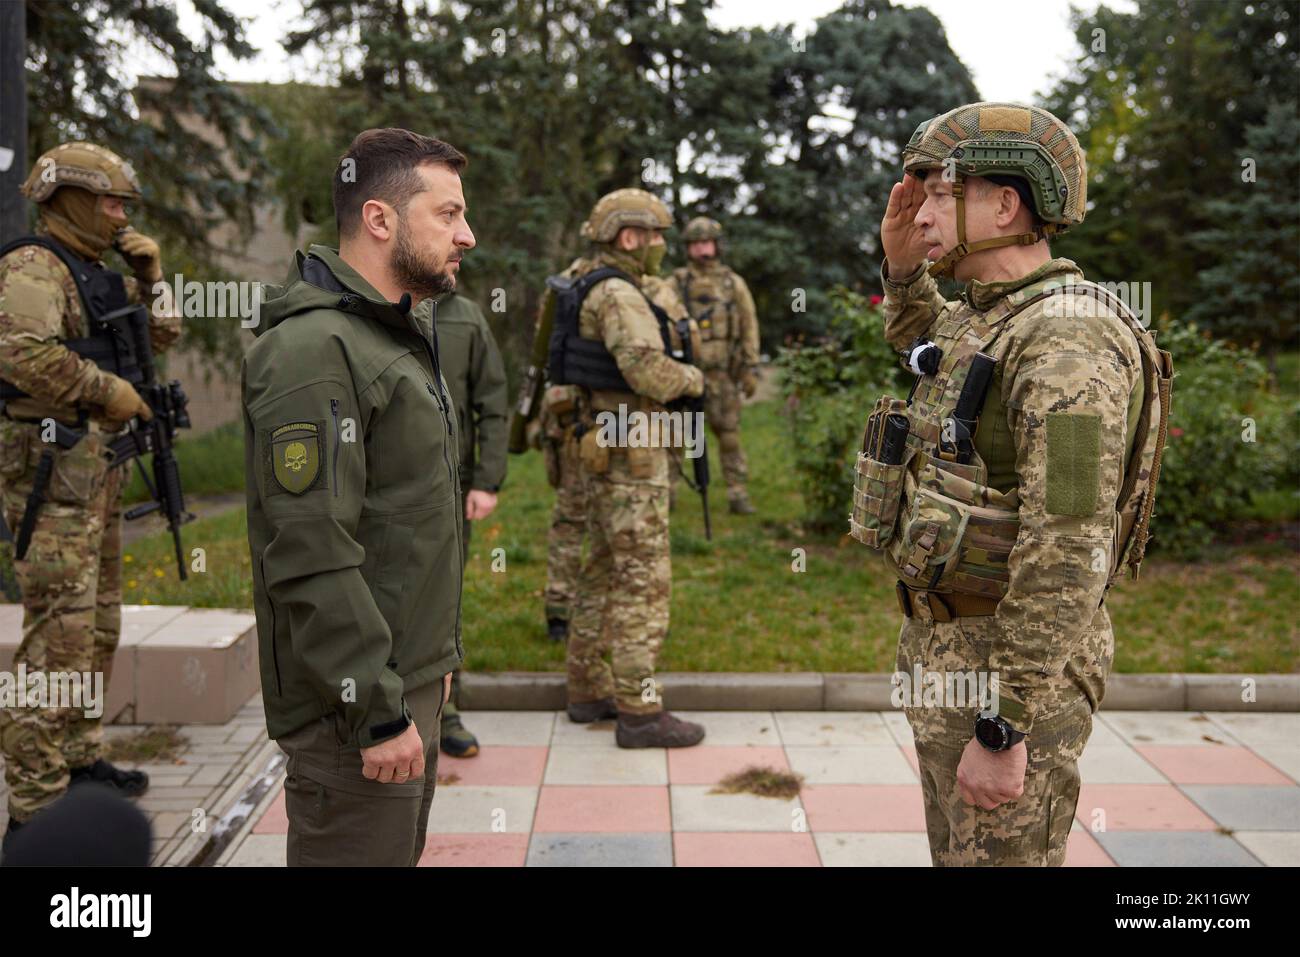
(1004, 139)
(86, 165)
(702, 228)
(625, 207)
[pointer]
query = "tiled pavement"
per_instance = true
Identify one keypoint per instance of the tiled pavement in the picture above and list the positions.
(210, 770)
(1159, 788)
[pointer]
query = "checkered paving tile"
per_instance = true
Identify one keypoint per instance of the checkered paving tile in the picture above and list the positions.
(1159, 788)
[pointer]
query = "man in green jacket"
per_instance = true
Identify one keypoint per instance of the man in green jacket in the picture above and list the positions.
(476, 378)
(354, 523)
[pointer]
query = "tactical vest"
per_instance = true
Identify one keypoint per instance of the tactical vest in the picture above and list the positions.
(576, 360)
(940, 527)
(708, 323)
(111, 344)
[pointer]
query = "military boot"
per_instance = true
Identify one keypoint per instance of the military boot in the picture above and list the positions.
(585, 712)
(557, 629)
(659, 730)
(126, 783)
(740, 504)
(456, 738)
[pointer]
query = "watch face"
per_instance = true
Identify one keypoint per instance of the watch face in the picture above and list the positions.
(989, 733)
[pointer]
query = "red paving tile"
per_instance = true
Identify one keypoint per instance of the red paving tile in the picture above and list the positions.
(606, 809)
(1082, 850)
(864, 807)
(1140, 807)
(275, 820)
(744, 849)
(474, 850)
(707, 765)
(497, 765)
(1191, 764)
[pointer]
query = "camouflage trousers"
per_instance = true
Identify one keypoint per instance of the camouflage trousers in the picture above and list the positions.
(1032, 830)
(71, 582)
(722, 411)
(568, 527)
(620, 615)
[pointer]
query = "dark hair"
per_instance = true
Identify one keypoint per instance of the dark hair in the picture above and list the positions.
(382, 164)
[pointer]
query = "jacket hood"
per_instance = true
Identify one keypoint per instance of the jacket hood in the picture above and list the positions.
(319, 279)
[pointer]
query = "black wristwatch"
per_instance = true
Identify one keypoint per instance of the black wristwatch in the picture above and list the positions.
(994, 733)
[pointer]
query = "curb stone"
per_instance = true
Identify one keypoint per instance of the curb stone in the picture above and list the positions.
(842, 691)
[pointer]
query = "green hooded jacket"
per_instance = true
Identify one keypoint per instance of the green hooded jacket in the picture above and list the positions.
(354, 521)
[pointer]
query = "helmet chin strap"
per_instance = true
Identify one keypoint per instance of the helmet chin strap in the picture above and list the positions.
(945, 266)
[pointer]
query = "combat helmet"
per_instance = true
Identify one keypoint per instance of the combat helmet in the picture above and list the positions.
(1004, 139)
(702, 228)
(625, 207)
(91, 167)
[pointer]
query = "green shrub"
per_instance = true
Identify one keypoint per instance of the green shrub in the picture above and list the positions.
(830, 387)
(1213, 473)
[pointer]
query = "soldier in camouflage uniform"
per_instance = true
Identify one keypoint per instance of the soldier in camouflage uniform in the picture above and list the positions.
(71, 574)
(621, 608)
(476, 377)
(724, 310)
(1004, 555)
(569, 516)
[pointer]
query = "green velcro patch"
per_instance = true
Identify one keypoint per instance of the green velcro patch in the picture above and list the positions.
(295, 454)
(1073, 463)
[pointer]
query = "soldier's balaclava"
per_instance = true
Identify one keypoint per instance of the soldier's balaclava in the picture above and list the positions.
(73, 217)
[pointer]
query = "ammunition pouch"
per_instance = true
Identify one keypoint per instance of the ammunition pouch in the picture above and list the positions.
(877, 484)
(954, 534)
(593, 455)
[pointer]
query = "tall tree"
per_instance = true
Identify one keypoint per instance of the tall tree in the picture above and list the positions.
(1162, 99)
(79, 70)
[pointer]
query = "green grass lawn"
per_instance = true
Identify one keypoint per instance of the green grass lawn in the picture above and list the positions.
(739, 606)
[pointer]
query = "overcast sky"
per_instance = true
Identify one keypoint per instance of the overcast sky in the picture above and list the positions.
(1013, 48)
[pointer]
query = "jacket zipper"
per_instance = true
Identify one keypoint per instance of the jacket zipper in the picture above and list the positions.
(275, 655)
(338, 440)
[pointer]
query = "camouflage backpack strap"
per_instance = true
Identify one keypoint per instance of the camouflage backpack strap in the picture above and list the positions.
(1137, 496)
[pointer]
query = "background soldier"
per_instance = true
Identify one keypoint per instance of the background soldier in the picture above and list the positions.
(71, 574)
(476, 378)
(1066, 445)
(724, 311)
(614, 351)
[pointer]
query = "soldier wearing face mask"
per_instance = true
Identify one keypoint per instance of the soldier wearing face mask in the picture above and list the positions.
(53, 286)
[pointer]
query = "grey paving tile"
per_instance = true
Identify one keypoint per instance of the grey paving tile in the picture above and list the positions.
(1175, 849)
(851, 765)
(1119, 765)
(846, 849)
(517, 728)
(1274, 848)
(261, 850)
(1248, 808)
(736, 729)
(600, 850)
(1264, 728)
(696, 809)
(833, 729)
(1166, 727)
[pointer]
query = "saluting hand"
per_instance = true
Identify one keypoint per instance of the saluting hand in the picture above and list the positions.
(903, 241)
